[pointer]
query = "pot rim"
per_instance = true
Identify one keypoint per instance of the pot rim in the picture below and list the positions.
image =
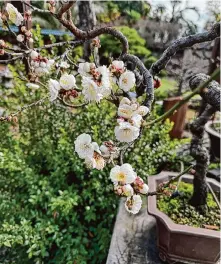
(173, 227)
(211, 130)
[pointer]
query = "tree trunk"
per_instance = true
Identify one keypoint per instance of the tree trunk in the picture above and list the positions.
(87, 21)
(211, 97)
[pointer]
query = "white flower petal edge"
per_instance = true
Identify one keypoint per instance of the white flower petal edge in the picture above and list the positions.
(127, 81)
(54, 88)
(15, 17)
(67, 81)
(133, 204)
(84, 68)
(123, 173)
(125, 132)
(83, 146)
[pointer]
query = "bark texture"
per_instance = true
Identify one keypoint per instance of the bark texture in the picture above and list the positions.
(211, 97)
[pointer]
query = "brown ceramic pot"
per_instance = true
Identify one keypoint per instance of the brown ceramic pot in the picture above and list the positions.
(178, 118)
(180, 243)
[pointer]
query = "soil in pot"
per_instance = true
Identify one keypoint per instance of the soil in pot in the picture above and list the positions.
(178, 209)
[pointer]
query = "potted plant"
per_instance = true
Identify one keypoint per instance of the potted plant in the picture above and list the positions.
(178, 241)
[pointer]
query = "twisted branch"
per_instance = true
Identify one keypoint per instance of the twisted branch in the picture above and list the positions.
(183, 43)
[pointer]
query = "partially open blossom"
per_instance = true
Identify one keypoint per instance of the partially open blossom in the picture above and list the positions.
(34, 54)
(133, 204)
(105, 85)
(84, 68)
(90, 90)
(13, 14)
(117, 66)
(136, 120)
(125, 100)
(123, 174)
(54, 88)
(128, 190)
(144, 189)
(125, 132)
(96, 162)
(83, 146)
(27, 15)
(127, 81)
(142, 110)
(32, 85)
(67, 81)
(125, 111)
(20, 38)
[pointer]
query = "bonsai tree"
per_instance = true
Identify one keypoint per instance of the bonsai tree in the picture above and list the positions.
(126, 82)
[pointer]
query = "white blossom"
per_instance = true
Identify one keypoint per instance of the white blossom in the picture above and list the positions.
(105, 151)
(142, 110)
(67, 81)
(128, 190)
(83, 146)
(96, 147)
(13, 14)
(64, 65)
(125, 100)
(125, 111)
(136, 120)
(125, 132)
(90, 90)
(34, 54)
(54, 88)
(123, 173)
(127, 81)
(133, 204)
(84, 68)
(20, 38)
(118, 65)
(144, 189)
(96, 162)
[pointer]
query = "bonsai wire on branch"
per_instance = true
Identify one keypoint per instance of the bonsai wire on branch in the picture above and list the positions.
(125, 82)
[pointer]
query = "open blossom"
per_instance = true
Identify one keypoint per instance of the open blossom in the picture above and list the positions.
(96, 162)
(13, 14)
(91, 91)
(84, 147)
(125, 111)
(67, 81)
(127, 81)
(54, 88)
(142, 110)
(133, 204)
(84, 68)
(123, 174)
(136, 120)
(117, 65)
(125, 132)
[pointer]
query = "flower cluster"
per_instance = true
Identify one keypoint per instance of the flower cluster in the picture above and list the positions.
(95, 81)
(95, 157)
(127, 183)
(66, 84)
(121, 76)
(130, 116)
(25, 35)
(40, 65)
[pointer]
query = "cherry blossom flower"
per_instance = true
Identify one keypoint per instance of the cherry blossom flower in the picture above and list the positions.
(117, 65)
(125, 132)
(127, 81)
(142, 110)
(67, 81)
(128, 190)
(84, 68)
(91, 90)
(13, 14)
(34, 54)
(123, 174)
(125, 111)
(133, 204)
(144, 189)
(54, 88)
(124, 101)
(136, 120)
(96, 162)
(83, 146)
